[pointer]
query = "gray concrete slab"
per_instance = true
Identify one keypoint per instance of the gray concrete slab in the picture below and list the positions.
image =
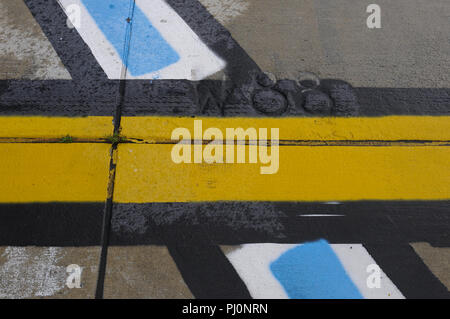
(437, 260)
(331, 39)
(25, 52)
(143, 272)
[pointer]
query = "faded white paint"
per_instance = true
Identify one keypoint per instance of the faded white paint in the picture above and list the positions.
(27, 274)
(226, 10)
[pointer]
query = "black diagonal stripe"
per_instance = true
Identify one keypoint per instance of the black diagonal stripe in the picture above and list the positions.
(83, 67)
(207, 272)
(407, 271)
(68, 44)
(239, 64)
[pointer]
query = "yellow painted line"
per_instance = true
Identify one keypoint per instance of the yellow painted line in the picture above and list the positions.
(54, 172)
(55, 127)
(146, 173)
(375, 128)
(160, 128)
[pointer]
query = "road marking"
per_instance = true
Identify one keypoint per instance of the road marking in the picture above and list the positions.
(55, 127)
(158, 129)
(162, 45)
(54, 172)
(392, 128)
(355, 259)
(312, 270)
(309, 270)
(148, 51)
(146, 173)
(321, 215)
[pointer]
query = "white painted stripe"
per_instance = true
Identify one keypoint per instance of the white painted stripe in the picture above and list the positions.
(101, 48)
(252, 262)
(320, 215)
(196, 62)
(355, 259)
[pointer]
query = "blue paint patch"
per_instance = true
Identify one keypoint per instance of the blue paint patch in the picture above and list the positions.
(148, 51)
(313, 271)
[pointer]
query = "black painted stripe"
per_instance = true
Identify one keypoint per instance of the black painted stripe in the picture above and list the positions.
(207, 272)
(193, 232)
(407, 270)
(51, 224)
(400, 101)
(74, 53)
(217, 38)
(234, 223)
(184, 98)
(226, 223)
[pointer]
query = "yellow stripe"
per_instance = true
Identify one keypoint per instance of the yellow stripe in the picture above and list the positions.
(153, 129)
(55, 127)
(160, 128)
(54, 172)
(146, 173)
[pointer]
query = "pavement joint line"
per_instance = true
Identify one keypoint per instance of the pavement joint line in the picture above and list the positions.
(106, 225)
(119, 139)
(362, 143)
(115, 139)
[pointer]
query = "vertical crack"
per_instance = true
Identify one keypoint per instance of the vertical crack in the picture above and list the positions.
(106, 225)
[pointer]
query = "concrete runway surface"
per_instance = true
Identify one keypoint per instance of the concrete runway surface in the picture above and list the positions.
(92, 90)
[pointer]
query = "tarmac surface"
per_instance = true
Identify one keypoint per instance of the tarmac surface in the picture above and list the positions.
(87, 111)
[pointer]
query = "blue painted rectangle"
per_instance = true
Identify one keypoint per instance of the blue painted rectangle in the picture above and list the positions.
(313, 271)
(148, 51)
